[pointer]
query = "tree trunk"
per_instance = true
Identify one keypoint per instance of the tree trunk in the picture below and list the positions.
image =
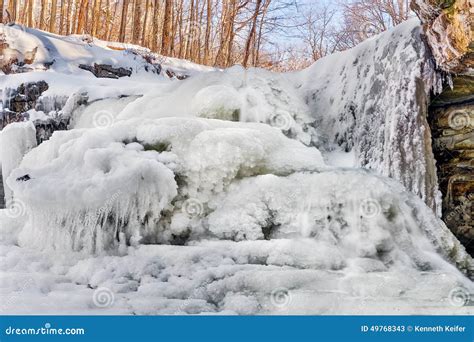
(166, 40)
(207, 39)
(251, 35)
(154, 31)
(29, 18)
(52, 19)
(42, 25)
(136, 22)
(95, 17)
(68, 17)
(81, 19)
(12, 7)
(123, 21)
(144, 30)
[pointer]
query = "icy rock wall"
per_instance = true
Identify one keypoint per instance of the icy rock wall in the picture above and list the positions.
(373, 99)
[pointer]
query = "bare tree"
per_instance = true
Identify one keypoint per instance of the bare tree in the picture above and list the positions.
(29, 18)
(365, 18)
(123, 21)
(81, 18)
(136, 29)
(52, 17)
(12, 10)
(167, 25)
(251, 35)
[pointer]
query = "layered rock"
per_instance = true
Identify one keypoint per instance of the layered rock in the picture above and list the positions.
(448, 25)
(452, 123)
(448, 28)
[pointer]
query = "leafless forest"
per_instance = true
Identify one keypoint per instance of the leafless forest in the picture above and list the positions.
(274, 34)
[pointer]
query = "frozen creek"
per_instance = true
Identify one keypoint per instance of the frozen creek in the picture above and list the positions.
(232, 192)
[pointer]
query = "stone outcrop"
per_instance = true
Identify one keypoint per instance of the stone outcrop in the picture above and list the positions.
(452, 124)
(449, 29)
(106, 71)
(20, 100)
(17, 102)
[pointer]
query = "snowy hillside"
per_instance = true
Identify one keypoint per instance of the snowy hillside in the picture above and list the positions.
(179, 188)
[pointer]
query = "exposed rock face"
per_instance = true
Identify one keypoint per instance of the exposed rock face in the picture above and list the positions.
(448, 25)
(25, 97)
(20, 100)
(452, 124)
(106, 71)
(17, 102)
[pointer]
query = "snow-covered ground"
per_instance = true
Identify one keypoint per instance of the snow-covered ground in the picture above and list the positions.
(233, 191)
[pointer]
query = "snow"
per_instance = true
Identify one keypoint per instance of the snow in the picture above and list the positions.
(235, 191)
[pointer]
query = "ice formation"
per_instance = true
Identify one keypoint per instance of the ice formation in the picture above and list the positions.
(214, 193)
(373, 100)
(15, 141)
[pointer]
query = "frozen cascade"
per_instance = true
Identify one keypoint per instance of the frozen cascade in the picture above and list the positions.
(373, 99)
(177, 180)
(224, 183)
